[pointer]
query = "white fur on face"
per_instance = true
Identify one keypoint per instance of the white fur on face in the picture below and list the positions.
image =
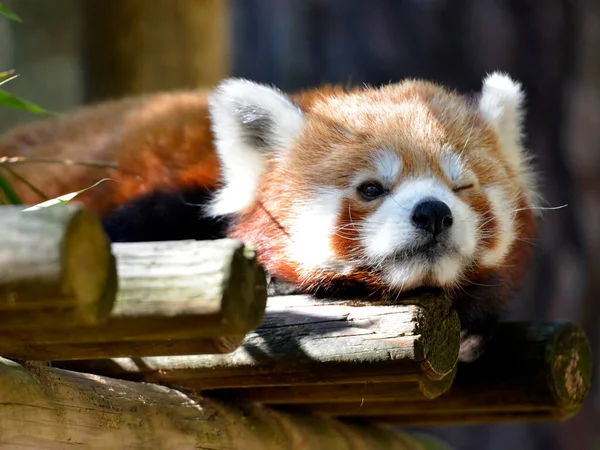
(454, 168)
(389, 231)
(503, 211)
(249, 121)
(387, 164)
(312, 225)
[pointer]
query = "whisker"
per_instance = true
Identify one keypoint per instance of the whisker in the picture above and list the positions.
(542, 208)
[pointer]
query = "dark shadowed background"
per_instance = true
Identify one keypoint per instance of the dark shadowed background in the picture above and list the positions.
(71, 52)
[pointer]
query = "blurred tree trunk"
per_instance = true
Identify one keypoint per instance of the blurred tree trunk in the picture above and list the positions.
(552, 47)
(140, 46)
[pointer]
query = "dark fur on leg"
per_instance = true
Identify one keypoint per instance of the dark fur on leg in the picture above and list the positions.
(480, 307)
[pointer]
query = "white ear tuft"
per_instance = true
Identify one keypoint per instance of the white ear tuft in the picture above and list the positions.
(248, 121)
(501, 103)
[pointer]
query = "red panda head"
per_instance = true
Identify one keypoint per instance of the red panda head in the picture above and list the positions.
(403, 186)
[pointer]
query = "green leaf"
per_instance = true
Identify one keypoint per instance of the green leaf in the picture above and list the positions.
(5, 79)
(8, 191)
(11, 101)
(4, 11)
(63, 198)
(7, 74)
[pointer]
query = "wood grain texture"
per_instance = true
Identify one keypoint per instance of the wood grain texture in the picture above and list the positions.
(56, 409)
(529, 373)
(357, 393)
(303, 340)
(185, 297)
(56, 268)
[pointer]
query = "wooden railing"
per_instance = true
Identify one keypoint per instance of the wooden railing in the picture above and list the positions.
(181, 348)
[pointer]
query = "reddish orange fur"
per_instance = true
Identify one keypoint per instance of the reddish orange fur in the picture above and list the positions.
(160, 141)
(164, 141)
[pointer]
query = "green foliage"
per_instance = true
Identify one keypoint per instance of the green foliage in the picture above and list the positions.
(4, 11)
(7, 193)
(12, 101)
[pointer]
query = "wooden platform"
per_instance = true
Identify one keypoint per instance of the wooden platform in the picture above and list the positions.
(175, 345)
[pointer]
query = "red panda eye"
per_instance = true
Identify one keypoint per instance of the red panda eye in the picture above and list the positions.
(463, 187)
(371, 190)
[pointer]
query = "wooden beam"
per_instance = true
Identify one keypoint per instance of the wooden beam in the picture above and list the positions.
(303, 340)
(56, 268)
(357, 393)
(184, 297)
(44, 407)
(134, 47)
(529, 373)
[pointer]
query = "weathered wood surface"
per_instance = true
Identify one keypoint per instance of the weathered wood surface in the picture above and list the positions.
(358, 393)
(529, 373)
(174, 298)
(56, 409)
(303, 340)
(56, 268)
(137, 46)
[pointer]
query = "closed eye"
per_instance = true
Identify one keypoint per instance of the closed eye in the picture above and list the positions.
(464, 187)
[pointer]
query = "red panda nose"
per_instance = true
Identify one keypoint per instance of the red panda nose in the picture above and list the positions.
(432, 216)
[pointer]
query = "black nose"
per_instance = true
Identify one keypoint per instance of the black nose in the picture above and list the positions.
(433, 216)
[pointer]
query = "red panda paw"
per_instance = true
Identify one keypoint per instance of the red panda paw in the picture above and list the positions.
(471, 347)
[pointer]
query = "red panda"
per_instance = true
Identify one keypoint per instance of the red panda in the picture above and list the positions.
(372, 190)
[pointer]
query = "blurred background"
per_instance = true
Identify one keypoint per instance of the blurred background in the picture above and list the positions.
(74, 52)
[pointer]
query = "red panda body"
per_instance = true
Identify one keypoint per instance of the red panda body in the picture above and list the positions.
(378, 191)
(160, 141)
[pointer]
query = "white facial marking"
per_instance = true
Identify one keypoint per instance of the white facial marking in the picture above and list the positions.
(389, 231)
(405, 276)
(502, 209)
(312, 227)
(452, 166)
(447, 270)
(387, 163)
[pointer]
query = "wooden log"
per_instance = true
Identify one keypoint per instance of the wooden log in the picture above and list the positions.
(50, 408)
(358, 393)
(184, 297)
(528, 373)
(303, 340)
(56, 268)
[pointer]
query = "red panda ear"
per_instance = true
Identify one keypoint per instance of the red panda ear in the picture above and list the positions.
(502, 104)
(249, 121)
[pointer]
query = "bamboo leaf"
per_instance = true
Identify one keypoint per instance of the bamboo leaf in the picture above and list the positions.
(6, 74)
(6, 80)
(63, 198)
(8, 191)
(4, 11)
(12, 101)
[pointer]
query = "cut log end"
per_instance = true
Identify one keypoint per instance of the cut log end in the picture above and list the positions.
(570, 357)
(439, 328)
(89, 266)
(246, 279)
(56, 268)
